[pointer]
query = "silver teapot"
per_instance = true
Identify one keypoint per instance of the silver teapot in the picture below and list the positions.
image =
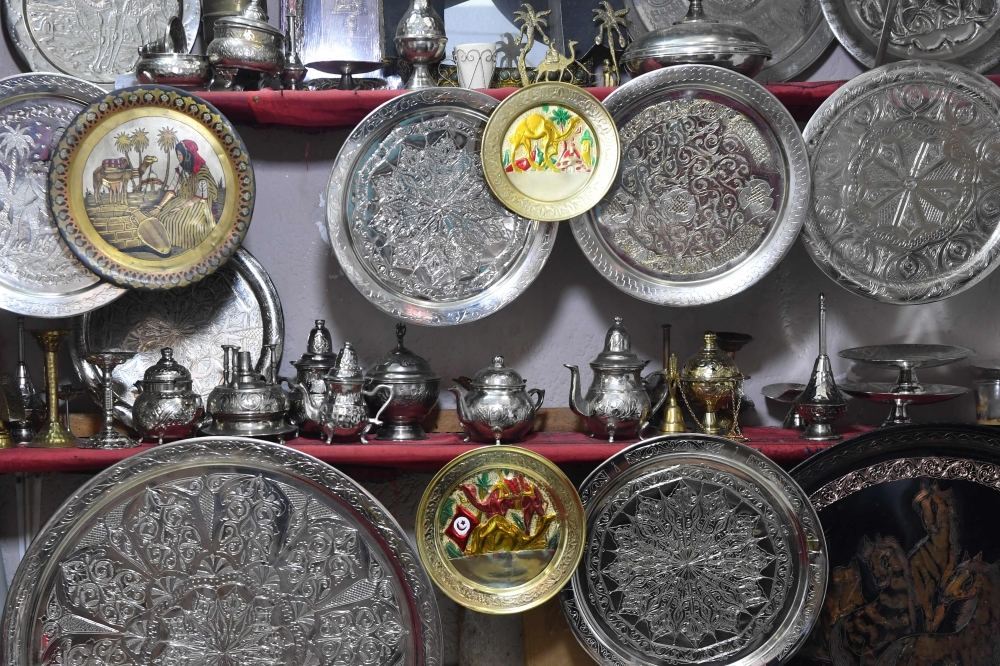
(246, 403)
(345, 412)
(616, 404)
(167, 406)
(495, 406)
(413, 396)
(308, 389)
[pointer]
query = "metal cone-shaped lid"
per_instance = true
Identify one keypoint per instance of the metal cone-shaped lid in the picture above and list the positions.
(821, 389)
(401, 365)
(618, 350)
(167, 370)
(498, 375)
(347, 366)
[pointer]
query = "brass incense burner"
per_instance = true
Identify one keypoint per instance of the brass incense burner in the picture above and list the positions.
(710, 380)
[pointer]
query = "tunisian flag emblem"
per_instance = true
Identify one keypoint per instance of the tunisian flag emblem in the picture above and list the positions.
(461, 526)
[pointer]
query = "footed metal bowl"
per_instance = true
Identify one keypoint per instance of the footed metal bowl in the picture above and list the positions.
(180, 70)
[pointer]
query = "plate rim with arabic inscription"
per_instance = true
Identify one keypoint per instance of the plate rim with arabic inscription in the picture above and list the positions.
(721, 84)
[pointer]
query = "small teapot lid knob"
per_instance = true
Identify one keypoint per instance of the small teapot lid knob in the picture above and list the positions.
(319, 341)
(617, 338)
(498, 361)
(710, 341)
(400, 332)
(167, 353)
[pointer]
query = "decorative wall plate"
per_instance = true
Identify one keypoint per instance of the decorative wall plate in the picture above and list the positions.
(906, 182)
(700, 550)
(796, 30)
(500, 529)
(152, 188)
(550, 151)
(39, 276)
(712, 189)
(412, 222)
(238, 305)
(95, 41)
(221, 551)
(939, 30)
(913, 565)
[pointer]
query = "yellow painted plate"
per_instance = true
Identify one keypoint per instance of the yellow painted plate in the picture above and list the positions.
(152, 188)
(550, 151)
(500, 529)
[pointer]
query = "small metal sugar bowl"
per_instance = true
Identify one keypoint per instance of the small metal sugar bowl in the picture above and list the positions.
(616, 404)
(711, 380)
(308, 389)
(246, 403)
(345, 412)
(414, 392)
(495, 407)
(246, 43)
(167, 406)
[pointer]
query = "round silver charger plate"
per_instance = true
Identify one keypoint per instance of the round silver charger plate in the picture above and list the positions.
(699, 550)
(712, 189)
(908, 355)
(221, 551)
(906, 182)
(962, 33)
(39, 275)
(95, 40)
(237, 305)
(412, 221)
(795, 30)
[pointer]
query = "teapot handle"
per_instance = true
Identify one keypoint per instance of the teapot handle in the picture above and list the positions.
(659, 403)
(375, 419)
(540, 394)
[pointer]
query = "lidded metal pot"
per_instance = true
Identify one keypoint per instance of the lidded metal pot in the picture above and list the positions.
(345, 412)
(167, 406)
(711, 380)
(413, 396)
(616, 404)
(308, 390)
(247, 404)
(496, 407)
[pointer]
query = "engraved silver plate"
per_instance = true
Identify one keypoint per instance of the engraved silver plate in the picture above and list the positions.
(711, 192)
(221, 552)
(699, 550)
(795, 30)
(237, 305)
(95, 40)
(906, 182)
(414, 224)
(957, 31)
(39, 275)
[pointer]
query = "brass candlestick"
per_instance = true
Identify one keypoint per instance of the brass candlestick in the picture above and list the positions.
(108, 437)
(52, 435)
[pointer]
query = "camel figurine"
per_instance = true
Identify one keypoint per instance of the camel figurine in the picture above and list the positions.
(557, 62)
(537, 127)
(115, 178)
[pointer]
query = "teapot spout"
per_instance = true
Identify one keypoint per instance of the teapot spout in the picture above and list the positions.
(577, 403)
(460, 394)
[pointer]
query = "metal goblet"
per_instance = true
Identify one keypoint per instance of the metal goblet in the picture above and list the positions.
(108, 437)
(52, 435)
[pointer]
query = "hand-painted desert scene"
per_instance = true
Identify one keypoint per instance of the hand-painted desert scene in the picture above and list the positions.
(549, 153)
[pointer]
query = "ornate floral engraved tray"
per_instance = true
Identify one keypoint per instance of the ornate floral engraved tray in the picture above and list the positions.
(500, 529)
(907, 513)
(959, 32)
(95, 40)
(906, 182)
(711, 193)
(795, 30)
(238, 305)
(221, 551)
(700, 550)
(414, 225)
(39, 276)
(152, 188)
(550, 151)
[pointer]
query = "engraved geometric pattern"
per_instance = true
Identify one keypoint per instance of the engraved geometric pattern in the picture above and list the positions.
(906, 182)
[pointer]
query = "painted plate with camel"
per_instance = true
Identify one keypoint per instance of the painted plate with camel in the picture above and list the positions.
(500, 529)
(152, 188)
(914, 553)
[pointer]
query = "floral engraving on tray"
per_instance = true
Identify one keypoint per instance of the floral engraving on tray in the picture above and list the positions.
(929, 26)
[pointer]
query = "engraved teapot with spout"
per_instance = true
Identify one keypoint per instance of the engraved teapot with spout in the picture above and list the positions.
(345, 410)
(308, 389)
(495, 406)
(616, 404)
(247, 403)
(167, 406)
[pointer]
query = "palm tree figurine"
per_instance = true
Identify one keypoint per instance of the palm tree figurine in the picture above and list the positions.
(531, 21)
(610, 23)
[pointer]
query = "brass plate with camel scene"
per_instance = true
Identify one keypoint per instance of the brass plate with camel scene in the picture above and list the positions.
(152, 188)
(500, 529)
(550, 151)
(908, 517)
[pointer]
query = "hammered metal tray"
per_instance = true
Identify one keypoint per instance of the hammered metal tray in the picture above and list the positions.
(711, 193)
(958, 32)
(39, 275)
(906, 179)
(795, 30)
(221, 551)
(699, 550)
(412, 222)
(911, 546)
(238, 305)
(95, 40)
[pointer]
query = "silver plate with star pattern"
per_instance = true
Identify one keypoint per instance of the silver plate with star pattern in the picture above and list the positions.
(700, 550)
(413, 222)
(221, 551)
(906, 182)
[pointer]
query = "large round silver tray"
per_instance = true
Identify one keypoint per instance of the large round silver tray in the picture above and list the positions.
(221, 551)
(39, 275)
(712, 189)
(962, 33)
(795, 30)
(237, 305)
(906, 182)
(699, 550)
(95, 40)
(414, 224)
